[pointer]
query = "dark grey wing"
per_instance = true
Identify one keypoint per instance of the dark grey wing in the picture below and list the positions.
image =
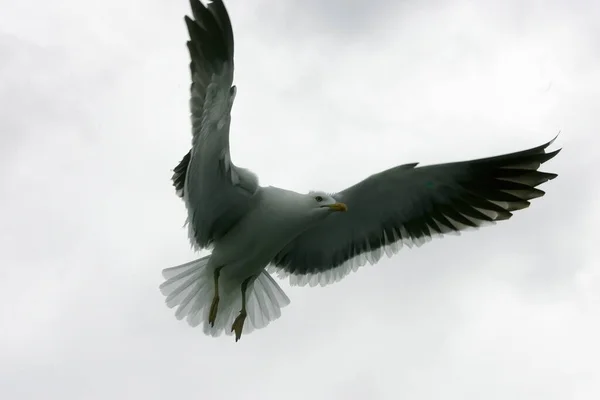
(409, 205)
(216, 192)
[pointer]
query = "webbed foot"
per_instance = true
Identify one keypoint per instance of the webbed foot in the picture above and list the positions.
(238, 325)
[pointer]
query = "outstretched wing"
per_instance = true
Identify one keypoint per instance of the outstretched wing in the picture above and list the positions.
(409, 205)
(215, 191)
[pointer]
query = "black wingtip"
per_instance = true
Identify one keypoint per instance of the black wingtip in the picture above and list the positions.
(553, 139)
(197, 7)
(551, 155)
(210, 31)
(543, 148)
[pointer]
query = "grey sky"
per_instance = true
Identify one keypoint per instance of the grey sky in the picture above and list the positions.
(93, 116)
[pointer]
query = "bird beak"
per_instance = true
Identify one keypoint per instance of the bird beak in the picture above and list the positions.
(338, 207)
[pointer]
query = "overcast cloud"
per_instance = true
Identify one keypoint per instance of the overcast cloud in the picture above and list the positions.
(93, 117)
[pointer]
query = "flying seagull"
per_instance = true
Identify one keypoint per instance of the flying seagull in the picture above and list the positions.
(314, 238)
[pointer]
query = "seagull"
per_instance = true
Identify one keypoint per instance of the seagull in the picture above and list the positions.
(315, 238)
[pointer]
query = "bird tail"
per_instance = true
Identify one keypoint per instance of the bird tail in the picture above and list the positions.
(190, 287)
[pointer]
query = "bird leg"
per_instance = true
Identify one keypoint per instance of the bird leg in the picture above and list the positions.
(212, 315)
(238, 324)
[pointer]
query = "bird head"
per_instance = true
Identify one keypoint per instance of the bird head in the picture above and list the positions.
(326, 202)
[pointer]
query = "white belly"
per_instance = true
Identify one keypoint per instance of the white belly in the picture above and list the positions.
(251, 244)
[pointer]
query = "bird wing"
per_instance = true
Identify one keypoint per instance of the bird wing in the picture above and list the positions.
(216, 192)
(408, 205)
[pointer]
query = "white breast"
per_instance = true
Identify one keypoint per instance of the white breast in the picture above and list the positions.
(277, 217)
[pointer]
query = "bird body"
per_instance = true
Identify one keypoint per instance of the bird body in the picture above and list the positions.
(314, 238)
(275, 217)
(280, 215)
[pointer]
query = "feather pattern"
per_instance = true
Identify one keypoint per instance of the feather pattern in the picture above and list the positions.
(216, 192)
(408, 205)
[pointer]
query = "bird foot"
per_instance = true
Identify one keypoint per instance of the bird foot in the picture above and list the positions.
(238, 325)
(212, 315)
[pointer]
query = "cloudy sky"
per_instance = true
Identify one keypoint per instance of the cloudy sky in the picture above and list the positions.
(93, 117)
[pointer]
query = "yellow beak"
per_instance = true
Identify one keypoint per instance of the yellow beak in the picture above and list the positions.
(338, 207)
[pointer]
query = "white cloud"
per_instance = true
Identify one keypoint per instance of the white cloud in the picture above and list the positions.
(94, 115)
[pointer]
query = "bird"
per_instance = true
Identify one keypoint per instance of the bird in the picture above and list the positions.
(314, 238)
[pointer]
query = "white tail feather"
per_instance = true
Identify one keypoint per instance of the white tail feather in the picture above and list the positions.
(190, 287)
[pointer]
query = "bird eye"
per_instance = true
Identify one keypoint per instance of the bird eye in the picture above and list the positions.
(319, 199)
